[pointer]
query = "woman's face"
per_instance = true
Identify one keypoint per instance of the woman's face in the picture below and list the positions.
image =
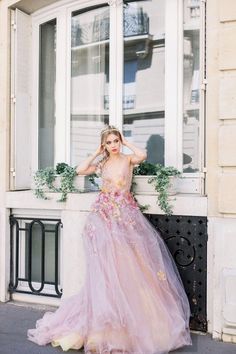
(113, 144)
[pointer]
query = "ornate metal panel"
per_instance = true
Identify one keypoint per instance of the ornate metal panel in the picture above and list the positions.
(136, 23)
(25, 234)
(186, 238)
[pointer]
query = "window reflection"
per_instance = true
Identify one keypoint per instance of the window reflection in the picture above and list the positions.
(191, 85)
(144, 74)
(89, 80)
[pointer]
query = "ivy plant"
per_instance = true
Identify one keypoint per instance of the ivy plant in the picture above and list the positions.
(67, 182)
(46, 177)
(161, 181)
(160, 178)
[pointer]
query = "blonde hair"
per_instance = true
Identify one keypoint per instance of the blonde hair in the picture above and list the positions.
(109, 129)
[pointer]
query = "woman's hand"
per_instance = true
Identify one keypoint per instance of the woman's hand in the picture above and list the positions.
(87, 167)
(123, 140)
(100, 150)
(138, 156)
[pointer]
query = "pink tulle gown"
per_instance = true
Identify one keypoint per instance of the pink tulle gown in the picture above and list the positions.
(132, 300)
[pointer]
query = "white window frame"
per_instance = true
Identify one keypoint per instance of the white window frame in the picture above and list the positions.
(61, 11)
(60, 97)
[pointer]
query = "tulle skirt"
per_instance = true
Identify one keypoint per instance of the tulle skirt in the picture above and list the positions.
(132, 300)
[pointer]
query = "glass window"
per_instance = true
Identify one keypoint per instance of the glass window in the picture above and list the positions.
(191, 85)
(89, 80)
(46, 104)
(37, 256)
(146, 99)
(144, 76)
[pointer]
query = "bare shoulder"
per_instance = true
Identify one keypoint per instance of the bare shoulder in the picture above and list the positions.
(129, 157)
(135, 159)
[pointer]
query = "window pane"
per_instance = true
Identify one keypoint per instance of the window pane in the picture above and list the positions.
(89, 80)
(50, 256)
(144, 74)
(47, 80)
(191, 86)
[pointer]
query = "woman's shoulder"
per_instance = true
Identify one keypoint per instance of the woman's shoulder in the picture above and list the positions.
(128, 157)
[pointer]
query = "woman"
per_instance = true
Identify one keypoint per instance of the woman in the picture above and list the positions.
(133, 300)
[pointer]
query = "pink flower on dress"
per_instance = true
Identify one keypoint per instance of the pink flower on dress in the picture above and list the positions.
(111, 203)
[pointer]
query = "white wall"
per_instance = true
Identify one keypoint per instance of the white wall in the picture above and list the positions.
(221, 283)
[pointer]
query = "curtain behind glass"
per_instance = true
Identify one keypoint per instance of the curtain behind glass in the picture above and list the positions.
(50, 255)
(47, 80)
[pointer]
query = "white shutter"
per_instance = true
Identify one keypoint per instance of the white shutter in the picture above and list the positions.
(20, 96)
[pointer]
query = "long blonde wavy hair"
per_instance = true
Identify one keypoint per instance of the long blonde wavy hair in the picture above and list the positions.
(109, 129)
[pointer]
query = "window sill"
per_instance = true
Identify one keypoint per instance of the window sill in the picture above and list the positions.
(183, 204)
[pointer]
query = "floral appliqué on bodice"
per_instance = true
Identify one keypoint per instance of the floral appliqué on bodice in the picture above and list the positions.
(115, 193)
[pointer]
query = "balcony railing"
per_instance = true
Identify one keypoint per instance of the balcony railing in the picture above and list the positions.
(136, 22)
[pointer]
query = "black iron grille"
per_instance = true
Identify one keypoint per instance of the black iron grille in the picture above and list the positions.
(186, 238)
(34, 256)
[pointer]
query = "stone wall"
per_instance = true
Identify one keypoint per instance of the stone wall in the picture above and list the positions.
(221, 167)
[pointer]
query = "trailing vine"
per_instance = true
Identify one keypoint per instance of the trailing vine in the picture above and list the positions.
(46, 177)
(160, 178)
(67, 182)
(161, 184)
(161, 181)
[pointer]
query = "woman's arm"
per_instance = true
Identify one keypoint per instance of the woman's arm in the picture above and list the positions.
(87, 167)
(138, 156)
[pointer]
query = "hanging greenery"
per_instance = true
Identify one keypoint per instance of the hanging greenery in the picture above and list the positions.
(67, 182)
(161, 179)
(44, 178)
(47, 176)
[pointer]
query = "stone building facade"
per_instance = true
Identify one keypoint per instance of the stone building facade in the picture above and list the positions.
(209, 191)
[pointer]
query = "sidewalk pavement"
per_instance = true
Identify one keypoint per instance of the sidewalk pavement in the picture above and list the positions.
(16, 318)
